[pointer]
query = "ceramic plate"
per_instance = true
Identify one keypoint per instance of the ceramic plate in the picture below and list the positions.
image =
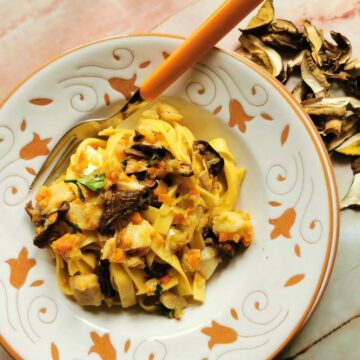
(256, 304)
(198, 12)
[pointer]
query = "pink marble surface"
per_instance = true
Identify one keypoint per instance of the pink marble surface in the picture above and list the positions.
(33, 31)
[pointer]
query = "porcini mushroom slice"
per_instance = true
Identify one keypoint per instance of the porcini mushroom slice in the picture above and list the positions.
(313, 76)
(264, 16)
(351, 146)
(269, 58)
(352, 198)
(315, 41)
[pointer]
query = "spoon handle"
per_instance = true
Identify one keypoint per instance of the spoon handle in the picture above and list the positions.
(224, 19)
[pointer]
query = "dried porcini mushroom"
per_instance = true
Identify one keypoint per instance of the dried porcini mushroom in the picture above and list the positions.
(344, 46)
(340, 76)
(345, 134)
(283, 76)
(300, 91)
(352, 65)
(323, 110)
(325, 68)
(313, 76)
(349, 122)
(280, 25)
(269, 58)
(332, 126)
(352, 198)
(351, 103)
(284, 40)
(283, 34)
(331, 106)
(315, 41)
(264, 16)
(351, 146)
(353, 87)
(296, 61)
(355, 165)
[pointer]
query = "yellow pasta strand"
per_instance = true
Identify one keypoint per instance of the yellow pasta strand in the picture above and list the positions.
(163, 220)
(139, 279)
(184, 284)
(72, 267)
(62, 276)
(199, 285)
(124, 285)
(168, 133)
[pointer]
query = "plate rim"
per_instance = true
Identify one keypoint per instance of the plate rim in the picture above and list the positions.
(325, 160)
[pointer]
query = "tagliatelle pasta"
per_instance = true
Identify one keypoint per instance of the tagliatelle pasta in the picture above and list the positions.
(143, 216)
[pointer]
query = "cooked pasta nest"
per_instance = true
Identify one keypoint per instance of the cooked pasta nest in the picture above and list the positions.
(143, 216)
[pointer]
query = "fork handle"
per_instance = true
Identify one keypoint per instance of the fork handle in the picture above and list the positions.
(224, 19)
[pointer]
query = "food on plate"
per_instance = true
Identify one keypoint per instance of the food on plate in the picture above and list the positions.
(329, 88)
(143, 216)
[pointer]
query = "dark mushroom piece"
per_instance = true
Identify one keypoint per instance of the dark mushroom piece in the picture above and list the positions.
(148, 152)
(119, 204)
(157, 269)
(226, 249)
(154, 202)
(209, 237)
(35, 215)
(103, 273)
(138, 136)
(353, 87)
(229, 249)
(153, 155)
(49, 235)
(178, 167)
(137, 168)
(214, 162)
(51, 225)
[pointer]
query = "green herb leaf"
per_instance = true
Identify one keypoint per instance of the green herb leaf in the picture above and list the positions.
(163, 310)
(75, 226)
(94, 183)
(74, 181)
(159, 290)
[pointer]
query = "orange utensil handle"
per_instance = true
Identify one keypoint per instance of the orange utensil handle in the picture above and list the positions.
(198, 44)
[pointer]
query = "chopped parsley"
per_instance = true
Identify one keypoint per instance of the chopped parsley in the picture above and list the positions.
(159, 290)
(74, 226)
(163, 310)
(94, 183)
(80, 193)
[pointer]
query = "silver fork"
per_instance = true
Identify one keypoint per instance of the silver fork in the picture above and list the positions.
(224, 19)
(79, 132)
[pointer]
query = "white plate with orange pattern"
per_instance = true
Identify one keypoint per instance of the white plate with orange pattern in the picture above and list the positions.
(261, 299)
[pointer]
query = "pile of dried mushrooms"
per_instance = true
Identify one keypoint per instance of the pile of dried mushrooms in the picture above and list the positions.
(322, 69)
